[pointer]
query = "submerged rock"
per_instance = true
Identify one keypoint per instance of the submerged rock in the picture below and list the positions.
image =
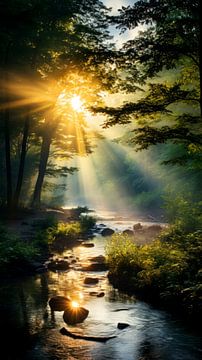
(122, 326)
(95, 267)
(59, 303)
(98, 259)
(88, 245)
(107, 232)
(75, 315)
(91, 281)
(96, 293)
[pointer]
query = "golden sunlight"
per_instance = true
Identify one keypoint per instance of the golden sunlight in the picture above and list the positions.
(76, 103)
(75, 304)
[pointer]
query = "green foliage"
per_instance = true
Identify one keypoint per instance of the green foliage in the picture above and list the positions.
(70, 230)
(157, 264)
(87, 222)
(15, 252)
(168, 269)
(164, 58)
(184, 213)
(78, 211)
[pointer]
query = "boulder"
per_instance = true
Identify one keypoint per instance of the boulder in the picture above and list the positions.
(137, 227)
(101, 294)
(107, 232)
(59, 303)
(91, 281)
(96, 293)
(75, 315)
(122, 326)
(61, 265)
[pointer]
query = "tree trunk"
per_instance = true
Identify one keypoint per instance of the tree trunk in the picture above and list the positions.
(8, 158)
(22, 162)
(45, 150)
(9, 193)
(200, 57)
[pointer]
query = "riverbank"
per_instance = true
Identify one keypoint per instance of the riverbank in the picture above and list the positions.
(25, 309)
(165, 273)
(157, 272)
(28, 238)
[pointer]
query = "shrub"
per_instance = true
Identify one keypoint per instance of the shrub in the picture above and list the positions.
(159, 264)
(184, 213)
(167, 269)
(71, 230)
(87, 222)
(14, 251)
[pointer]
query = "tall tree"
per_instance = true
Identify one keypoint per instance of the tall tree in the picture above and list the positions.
(44, 39)
(164, 57)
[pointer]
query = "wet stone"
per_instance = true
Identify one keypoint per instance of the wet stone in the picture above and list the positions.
(95, 267)
(137, 226)
(61, 265)
(59, 303)
(107, 232)
(75, 315)
(87, 245)
(101, 294)
(122, 326)
(91, 281)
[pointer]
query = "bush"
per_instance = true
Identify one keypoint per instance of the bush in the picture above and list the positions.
(15, 252)
(87, 222)
(168, 269)
(72, 229)
(184, 213)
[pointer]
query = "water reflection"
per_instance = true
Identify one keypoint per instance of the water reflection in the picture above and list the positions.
(31, 330)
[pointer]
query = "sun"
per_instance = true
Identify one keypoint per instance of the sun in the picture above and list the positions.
(76, 103)
(75, 304)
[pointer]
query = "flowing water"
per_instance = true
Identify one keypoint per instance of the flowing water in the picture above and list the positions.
(30, 331)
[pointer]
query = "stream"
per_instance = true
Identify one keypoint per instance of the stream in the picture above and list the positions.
(30, 331)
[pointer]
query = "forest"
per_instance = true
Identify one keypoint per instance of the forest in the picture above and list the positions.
(100, 113)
